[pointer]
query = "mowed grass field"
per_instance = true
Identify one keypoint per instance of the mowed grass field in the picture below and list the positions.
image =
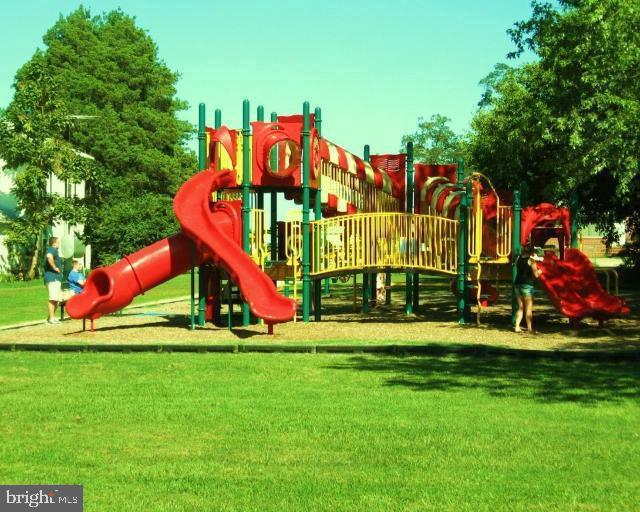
(27, 301)
(274, 432)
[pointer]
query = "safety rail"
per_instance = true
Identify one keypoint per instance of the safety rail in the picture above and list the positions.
(348, 187)
(257, 246)
(504, 221)
(501, 225)
(384, 240)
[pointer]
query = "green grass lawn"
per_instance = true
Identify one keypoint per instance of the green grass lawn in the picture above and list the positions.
(27, 301)
(168, 432)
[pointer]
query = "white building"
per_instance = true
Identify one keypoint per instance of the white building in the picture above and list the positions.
(70, 244)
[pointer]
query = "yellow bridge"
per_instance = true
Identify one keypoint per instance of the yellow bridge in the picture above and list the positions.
(384, 241)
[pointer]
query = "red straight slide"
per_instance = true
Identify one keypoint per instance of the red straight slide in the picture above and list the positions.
(216, 234)
(574, 288)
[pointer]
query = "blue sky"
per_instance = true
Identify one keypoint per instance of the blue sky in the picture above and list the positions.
(373, 66)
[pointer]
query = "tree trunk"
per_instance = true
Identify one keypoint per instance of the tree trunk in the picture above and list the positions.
(35, 258)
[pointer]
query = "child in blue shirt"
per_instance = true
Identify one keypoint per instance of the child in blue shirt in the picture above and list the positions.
(76, 278)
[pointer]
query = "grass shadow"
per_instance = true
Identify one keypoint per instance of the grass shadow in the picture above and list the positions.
(553, 377)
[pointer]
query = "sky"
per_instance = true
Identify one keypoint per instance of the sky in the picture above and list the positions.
(373, 66)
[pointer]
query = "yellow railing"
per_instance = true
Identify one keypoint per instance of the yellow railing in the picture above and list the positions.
(504, 232)
(503, 225)
(257, 246)
(384, 240)
(348, 187)
(293, 247)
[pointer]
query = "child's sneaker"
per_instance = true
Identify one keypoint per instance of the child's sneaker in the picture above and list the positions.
(53, 322)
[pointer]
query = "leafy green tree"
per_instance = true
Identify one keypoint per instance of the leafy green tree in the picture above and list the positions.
(570, 122)
(434, 141)
(112, 74)
(32, 141)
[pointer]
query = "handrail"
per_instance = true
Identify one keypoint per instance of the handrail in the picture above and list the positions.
(385, 240)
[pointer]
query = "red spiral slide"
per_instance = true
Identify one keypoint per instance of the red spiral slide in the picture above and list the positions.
(208, 233)
(574, 288)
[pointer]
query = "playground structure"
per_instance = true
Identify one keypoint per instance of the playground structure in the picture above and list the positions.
(372, 216)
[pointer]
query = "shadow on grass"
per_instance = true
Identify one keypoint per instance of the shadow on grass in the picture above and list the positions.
(556, 377)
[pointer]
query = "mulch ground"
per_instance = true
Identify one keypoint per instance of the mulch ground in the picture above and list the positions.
(435, 321)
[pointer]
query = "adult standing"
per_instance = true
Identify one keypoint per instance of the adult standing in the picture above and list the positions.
(53, 277)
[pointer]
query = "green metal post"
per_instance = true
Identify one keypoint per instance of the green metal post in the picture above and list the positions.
(462, 248)
(467, 292)
(408, 307)
(193, 286)
(317, 215)
(246, 201)
(260, 192)
(230, 305)
(202, 164)
(306, 200)
(274, 203)
(372, 279)
(366, 292)
(387, 285)
(516, 247)
(575, 224)
(217, 123)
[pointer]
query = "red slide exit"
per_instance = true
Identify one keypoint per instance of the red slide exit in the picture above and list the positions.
(574, 288)
(215, 232)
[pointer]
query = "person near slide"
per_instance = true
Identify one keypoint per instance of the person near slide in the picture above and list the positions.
(53, 277)
(526, 273)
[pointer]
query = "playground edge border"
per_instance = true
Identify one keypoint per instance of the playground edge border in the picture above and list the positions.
(387, 350)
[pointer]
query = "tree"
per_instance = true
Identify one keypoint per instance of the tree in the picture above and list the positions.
(434, 141)
(569, 124)
(111, 71)
(32, 141)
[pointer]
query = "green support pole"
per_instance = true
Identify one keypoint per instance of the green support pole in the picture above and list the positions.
(467, 291)
(575, 225)
(317, 215)
(230, 305)
(372, 279)
(387, 285)
(306, 200)
(260, 192)
(274, 203)
(416, 291)
(516, 247)
(408, 307)
(246, 200)
(318, 125)
(462, 248)
(202, 164)
(366, 290)
(193, 286)
(217, 123)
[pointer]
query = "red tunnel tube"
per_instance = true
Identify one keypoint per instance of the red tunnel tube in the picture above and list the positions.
(109, 289)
